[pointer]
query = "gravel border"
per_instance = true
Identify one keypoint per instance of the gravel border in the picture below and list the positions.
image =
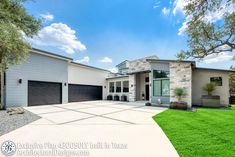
(9, 123)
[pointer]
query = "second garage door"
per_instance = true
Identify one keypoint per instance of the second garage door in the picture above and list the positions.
(84, 93)
(44, 93)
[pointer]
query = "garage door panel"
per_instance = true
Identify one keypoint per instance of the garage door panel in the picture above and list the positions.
(84, 93)
(44, 93)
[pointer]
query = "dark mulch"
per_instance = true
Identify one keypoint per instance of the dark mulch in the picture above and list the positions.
(9, 123)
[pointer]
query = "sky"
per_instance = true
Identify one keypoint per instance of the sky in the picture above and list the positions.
(103, 33)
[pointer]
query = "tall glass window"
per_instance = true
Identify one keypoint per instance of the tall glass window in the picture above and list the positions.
(161, 87)
(161, 83)
(157, 87)
(111, 87)
(165, 87)
(125, 86)
(118, 87)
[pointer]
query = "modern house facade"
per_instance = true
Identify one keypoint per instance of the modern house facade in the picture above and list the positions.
(46, 78)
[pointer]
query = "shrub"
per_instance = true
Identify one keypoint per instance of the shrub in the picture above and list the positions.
(147, 104)
(179, 92)
(209, 88)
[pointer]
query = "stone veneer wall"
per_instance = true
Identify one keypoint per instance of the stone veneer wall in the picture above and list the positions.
(132, 87)
(140, 64)
(181, 76)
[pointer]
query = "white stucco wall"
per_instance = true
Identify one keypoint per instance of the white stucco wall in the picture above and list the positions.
(202, 77)
(37, 68)
(80, 74)
(141, 85)
(116, 80)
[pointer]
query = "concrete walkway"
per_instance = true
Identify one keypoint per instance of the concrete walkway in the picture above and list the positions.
(94, 129)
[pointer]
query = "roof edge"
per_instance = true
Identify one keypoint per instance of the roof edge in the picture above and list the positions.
(39, 51)
(168, 60)
(89, 66)
(224, 70)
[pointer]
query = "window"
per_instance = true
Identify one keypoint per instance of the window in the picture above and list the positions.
(217, 80)
(146, 79)
(118, 87)
(157, 87)
(161, 87)
(125, 86)
(165, 88)
(111, 87)
(160, 74)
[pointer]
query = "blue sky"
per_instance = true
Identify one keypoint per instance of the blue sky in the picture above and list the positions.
(103, 33)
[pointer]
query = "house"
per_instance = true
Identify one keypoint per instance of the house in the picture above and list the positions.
(47, 78)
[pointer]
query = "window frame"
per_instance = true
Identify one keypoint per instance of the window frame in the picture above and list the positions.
(161, 71)
(112, 88)
(125, 87)
(216, 82)
(118, 87)
(161, 95)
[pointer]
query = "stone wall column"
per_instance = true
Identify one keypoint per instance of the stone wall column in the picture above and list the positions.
(132, 87)
(181, 77)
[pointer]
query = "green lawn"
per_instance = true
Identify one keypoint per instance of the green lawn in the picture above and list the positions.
(205, 133)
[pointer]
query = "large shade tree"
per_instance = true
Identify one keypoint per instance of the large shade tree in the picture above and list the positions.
(15, 25)
(232, 81)
(210, 28)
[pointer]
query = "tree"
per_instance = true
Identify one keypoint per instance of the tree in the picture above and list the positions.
(210, 28)
(209, 88)
(232, 81)
(15, 25)
(179, 93)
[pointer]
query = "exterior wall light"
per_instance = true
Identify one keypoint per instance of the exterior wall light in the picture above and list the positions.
(20, 81)
(65, 84)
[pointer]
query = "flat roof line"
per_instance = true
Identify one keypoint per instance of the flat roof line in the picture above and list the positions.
(225, 70)
(89, 66)
(50, 53)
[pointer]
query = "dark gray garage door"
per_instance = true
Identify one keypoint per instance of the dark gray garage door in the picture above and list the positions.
(44, 93)
(84, 93)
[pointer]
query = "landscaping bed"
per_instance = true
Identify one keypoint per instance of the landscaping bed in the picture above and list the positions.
(11, 122)
(207, 132)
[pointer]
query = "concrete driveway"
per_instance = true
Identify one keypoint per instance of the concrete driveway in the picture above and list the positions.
(94, 128)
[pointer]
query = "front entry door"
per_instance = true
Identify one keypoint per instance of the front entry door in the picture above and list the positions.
(146, 92)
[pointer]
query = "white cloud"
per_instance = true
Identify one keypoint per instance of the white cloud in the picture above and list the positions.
(59, 35)
(113, 70)
(179, 6)
(47, 17)
(211, 16)
(219, 13)
(106, 60)
(156, 5)
(223, 56)
(83, 60)
(166, 11)
(184, 26)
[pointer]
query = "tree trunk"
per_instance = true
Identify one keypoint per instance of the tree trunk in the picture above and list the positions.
(2, 88)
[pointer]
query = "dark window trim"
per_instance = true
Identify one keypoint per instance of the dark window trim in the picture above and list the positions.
(167, 73)
(221, 83)
(113, 87)
(125, 87)
(118, 87)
